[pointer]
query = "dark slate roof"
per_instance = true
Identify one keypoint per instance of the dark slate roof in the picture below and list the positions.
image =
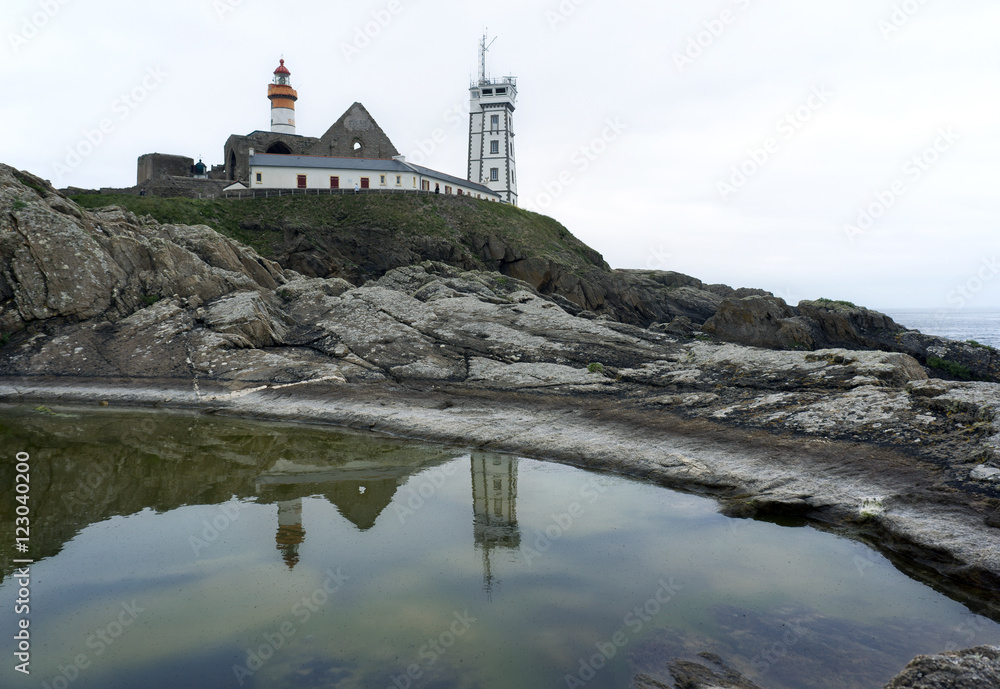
(434, 174)
(372, 164)
(364, 164)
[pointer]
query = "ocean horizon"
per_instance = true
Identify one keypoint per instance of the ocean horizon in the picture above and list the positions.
(981, 325)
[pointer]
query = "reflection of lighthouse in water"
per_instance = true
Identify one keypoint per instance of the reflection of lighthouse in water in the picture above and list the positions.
(494, 507)
(291, 533)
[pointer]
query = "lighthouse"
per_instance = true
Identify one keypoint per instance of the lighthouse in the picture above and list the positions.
(491, 131)
(282, 97)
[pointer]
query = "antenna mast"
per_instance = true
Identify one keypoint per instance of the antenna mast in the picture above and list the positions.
(483, 49)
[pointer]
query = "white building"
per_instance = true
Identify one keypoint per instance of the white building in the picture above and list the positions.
(271, 171)
(491, 131)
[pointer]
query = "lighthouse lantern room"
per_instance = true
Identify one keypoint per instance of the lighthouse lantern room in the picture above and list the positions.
(282, 97)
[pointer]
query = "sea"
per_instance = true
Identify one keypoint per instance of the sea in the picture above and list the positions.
(981, 325)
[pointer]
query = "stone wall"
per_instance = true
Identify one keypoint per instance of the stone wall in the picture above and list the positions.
(238, 147)
(355, 135)
(164, 187)
(155, 165)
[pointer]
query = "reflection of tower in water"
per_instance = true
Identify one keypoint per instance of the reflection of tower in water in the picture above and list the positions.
(291, 533)
(494, 506)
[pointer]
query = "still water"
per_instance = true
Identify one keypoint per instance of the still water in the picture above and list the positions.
(174, 550)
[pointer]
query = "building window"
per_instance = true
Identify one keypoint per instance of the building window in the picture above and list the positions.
(260, 178)
(425, 185)
(461, 193)
(475, 95)
(494, 147)
(414, 182)
(494, 121)
(365, 183)
(303, 182)
(381, 180)
(447, 189)
(487, 92)
(399, 180)
(494, 174)
(335, 182)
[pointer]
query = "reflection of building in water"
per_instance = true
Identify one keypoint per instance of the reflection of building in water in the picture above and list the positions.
(494, 507)
(290, 531)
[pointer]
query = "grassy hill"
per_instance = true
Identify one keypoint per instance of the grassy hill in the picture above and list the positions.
(463, 223)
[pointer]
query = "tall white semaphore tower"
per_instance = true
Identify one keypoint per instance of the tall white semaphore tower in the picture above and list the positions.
(282, 97)
(491, 131)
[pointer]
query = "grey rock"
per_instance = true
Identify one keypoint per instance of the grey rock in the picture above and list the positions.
(760, 321)
(58, 262)
(973, 668)
(237, 332)
(985, 473)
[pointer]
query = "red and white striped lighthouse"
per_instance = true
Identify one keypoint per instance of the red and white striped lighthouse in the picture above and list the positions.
(282, 97)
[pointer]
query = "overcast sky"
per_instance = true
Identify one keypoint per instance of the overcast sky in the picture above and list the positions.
(841, 149)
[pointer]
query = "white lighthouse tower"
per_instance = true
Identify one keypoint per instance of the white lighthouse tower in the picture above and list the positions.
(282, 97)
(491, 131)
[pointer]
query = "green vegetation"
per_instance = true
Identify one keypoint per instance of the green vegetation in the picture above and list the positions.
(4, 339)
(836, 302)
(28, 182)
(951, 367)
(979, 345)
(19, 204)
(260, 223)
(151, 299)
(595, 368)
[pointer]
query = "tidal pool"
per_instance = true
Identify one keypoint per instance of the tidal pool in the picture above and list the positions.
(179, 550)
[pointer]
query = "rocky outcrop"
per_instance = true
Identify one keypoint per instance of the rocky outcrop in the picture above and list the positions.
(577, 276)
(185, 316)
(767, 321)
(763, 321)
(57, 262)
(974, 668)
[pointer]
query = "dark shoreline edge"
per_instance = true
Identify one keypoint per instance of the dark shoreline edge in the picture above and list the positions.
(749, 473)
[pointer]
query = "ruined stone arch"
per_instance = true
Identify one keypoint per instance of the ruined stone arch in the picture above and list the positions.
(279, 148)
